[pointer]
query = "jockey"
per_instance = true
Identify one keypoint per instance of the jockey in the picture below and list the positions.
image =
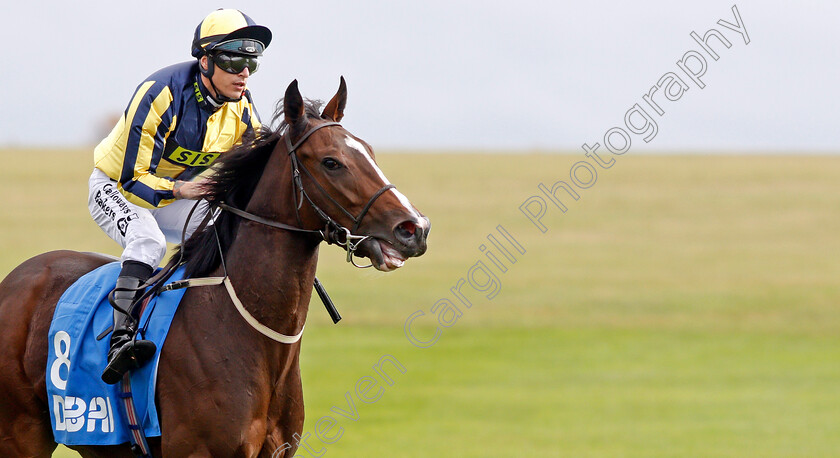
(179, 120)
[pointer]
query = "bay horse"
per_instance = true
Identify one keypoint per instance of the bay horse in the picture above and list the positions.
(224, 389)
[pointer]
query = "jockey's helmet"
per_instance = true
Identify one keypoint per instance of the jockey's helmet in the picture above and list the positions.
(229, 31)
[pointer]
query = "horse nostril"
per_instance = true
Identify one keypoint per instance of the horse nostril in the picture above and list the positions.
(406, 230)
(411, 234)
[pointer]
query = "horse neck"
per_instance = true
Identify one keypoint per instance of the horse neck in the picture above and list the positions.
(273, 270)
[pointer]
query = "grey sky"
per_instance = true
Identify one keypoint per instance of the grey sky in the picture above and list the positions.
(452, 74)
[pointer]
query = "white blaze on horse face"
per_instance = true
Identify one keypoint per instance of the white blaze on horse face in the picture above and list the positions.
(360, 148)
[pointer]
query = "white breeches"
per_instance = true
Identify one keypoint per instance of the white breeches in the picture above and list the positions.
(142, 232)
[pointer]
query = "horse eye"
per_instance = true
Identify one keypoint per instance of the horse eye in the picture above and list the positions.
(331, 164)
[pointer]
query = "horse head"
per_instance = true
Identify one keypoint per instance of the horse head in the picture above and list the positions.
(341, 181)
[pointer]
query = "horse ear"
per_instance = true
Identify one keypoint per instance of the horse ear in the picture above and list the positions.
(293, 105)
(335, 109)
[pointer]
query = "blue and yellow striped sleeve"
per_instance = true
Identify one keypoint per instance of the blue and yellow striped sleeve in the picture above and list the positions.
(136, 143)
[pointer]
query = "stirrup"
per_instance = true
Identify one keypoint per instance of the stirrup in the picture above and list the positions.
(131, 355)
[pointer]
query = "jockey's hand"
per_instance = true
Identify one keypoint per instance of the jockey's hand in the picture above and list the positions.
(190, 189)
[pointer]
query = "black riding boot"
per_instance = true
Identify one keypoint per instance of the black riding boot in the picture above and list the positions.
(125, 352)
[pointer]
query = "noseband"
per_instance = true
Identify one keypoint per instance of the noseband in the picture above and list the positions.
(333, 232)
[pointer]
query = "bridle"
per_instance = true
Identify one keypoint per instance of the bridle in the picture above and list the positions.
(333, 232)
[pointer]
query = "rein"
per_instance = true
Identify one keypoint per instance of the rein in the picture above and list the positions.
(225, 280)
(332, 234)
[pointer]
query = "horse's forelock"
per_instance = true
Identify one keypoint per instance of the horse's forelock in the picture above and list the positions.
(312, 109)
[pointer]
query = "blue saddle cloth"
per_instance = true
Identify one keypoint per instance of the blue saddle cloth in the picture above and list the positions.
(83, 409)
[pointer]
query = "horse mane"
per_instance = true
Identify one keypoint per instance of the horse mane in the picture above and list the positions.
(233, 181)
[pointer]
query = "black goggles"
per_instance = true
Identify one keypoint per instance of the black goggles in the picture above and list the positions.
(234, 63)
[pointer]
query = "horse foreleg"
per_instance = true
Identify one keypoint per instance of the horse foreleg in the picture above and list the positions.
(285, 417)
(275, 446)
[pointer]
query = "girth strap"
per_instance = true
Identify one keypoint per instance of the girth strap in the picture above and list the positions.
(139, 445)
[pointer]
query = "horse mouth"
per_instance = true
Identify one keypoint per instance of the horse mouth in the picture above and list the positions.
(383, 255)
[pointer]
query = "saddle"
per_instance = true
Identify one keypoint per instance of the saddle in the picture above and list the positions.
(84, 410)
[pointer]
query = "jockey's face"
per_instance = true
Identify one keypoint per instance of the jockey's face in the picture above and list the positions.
(228, 84)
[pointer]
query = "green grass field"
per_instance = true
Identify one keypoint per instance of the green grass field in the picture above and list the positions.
(684, 306)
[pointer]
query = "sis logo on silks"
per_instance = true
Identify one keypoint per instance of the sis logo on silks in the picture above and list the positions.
(190, 158)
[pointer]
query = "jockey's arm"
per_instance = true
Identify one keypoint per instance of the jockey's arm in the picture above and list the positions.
(190, 189)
